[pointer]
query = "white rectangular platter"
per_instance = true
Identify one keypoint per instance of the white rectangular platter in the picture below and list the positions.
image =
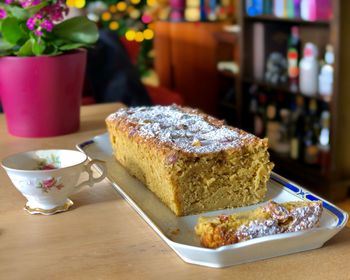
(178, 232)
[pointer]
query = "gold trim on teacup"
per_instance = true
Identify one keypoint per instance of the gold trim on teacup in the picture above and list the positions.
(61, 208)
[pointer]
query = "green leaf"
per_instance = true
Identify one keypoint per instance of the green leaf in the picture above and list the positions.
(5, 53)
(58, 42)
(53, 53)
(11, 30)
(18, 12)
(77, 30)
(4, 45)
(71, 46)
(27, 48)
(38, 47)
(50, 49)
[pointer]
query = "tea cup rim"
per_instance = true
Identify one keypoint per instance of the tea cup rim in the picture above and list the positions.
(7, 168)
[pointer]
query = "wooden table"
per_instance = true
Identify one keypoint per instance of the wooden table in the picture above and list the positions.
(102, 237)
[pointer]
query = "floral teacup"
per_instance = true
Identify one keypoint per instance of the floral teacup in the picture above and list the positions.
(47, 177)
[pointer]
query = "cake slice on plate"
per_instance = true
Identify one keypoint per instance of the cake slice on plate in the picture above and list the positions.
(273, 218)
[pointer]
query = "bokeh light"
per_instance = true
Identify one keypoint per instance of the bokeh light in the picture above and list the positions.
(130, 35)
(112, 9)
(139, 36)
(121, 6)
(70, 3)
(80, 4)
(135, 14)
(148, 34)
(106, 16)
(113, 25)
(151, 2)
(146, 18)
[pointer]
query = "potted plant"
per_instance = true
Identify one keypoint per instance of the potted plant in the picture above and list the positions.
(42, 66)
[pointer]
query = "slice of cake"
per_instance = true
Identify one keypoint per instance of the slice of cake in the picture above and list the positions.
(270, 219)
(191, 161)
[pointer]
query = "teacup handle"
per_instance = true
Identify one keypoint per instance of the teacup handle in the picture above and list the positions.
(87, 168)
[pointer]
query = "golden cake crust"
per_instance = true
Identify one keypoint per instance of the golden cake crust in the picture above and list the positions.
(123, 119)
(171, 149)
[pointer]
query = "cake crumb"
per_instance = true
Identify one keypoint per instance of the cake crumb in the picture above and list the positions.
(175, 231)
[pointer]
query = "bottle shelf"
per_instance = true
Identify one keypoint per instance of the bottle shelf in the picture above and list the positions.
(293, 21)
(294, 167)
(331, 177)
(282, 88)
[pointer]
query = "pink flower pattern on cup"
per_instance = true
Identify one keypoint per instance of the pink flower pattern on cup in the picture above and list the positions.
(48, 184)
(51, 162)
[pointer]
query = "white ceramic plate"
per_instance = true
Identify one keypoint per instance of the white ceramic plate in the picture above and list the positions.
(178, 232)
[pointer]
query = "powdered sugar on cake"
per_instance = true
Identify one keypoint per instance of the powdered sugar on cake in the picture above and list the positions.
(302, 218)
(305, 217)
(257, 229)
(187, 131)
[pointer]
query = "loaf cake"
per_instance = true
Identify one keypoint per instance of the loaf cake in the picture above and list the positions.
(270, 219)
(191, 161)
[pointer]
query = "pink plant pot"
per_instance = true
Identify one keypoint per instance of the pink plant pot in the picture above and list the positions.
(41, 96)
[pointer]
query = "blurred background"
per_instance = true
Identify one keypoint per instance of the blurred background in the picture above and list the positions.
(275, 68)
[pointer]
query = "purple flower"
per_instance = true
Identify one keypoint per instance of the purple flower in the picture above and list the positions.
(57, 11)
(3, 14)
(47, 25)
(28, 3)
(8, 2)
(44, 20)
(31, 23)
(38, 32)
(38, 16)
(25, 3)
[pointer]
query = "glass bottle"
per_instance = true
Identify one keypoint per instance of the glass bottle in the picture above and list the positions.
(311, 148)
(296, 128)
(324, 141)
(272, 125)
(293, 54)
(308, 68)
(260, 116)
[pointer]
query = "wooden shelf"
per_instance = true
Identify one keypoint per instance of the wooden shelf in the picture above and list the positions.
(281, 88)
(226, 37)
(294, 21)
